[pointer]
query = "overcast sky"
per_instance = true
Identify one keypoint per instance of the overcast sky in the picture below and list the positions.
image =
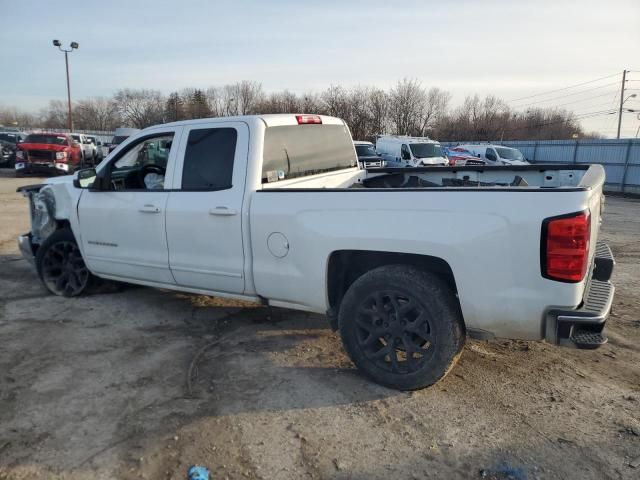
(508, 48)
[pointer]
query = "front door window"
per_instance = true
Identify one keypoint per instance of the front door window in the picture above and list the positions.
(143, 166)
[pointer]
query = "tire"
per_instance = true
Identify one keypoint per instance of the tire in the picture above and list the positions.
(418, 336)
(61, 267)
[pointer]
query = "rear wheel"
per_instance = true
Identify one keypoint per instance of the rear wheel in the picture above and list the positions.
(61, 266)
(401, 327)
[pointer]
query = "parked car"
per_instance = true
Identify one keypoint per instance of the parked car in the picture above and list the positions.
(86, 146)
(459, 156)
(96, 145)
(9, 141)
(48, 152)
(496, 154)
(120, 135)
(367, 155)
(403, 151)
(273, 209)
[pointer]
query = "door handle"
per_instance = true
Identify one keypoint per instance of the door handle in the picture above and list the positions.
(223, 211)
(149, 209)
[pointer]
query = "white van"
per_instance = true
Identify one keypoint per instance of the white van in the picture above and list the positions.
(404, 151)
(496, 154)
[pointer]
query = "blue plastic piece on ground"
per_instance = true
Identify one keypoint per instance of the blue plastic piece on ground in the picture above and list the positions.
(197, 472)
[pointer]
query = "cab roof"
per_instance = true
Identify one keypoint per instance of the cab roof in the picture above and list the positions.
(270, 120)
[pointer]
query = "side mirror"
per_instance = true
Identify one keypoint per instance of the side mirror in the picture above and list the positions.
(85, 178)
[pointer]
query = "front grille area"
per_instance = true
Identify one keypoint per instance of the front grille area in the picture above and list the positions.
(41, 156)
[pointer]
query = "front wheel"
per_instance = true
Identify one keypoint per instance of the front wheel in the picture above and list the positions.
(61, 266)
(401, 327)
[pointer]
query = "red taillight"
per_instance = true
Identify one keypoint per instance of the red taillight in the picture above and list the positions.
(565, 247)
(308, 119)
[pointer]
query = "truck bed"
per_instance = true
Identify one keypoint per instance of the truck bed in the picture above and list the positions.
(479, 220)
(564, 177)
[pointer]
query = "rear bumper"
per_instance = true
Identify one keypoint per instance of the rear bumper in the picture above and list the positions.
(583, 327)
(26, 248)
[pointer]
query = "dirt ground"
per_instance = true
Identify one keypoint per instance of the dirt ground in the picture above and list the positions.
(96, 388)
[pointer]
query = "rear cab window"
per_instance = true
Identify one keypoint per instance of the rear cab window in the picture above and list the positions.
(292, 151)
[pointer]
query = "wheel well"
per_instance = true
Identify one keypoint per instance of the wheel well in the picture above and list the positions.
(63, 224)
(345, 266)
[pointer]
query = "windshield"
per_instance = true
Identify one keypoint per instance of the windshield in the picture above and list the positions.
(47, 139)
(509, 153)
(76, 137)
(426, 150)
(366, 151)
(9, 137)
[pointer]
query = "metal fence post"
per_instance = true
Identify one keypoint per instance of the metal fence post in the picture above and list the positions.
(626, 165)
(575, 152)
(535, 147)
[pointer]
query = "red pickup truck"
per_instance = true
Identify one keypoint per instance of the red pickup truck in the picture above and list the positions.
(48, 152)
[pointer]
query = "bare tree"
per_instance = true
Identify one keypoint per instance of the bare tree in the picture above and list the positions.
(95, 114)
(378, 111)
(407, 108)
(55, 114)
(15, 117)
(434, 107)
(406, 104)
(246, 96)
(140, 108)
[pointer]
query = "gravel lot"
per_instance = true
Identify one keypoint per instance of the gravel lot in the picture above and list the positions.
(96, 387)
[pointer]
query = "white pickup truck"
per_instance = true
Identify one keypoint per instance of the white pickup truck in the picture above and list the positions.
(273, 209)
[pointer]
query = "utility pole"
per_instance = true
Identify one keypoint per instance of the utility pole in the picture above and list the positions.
(624, 79)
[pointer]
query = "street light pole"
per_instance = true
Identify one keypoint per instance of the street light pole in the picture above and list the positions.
(70, 117)
(73, 45)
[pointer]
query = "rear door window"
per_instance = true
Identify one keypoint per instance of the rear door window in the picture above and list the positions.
(208, 159)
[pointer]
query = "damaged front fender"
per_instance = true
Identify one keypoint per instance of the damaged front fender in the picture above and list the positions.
(42, 207)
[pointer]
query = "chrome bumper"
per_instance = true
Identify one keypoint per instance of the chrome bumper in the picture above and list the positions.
(26, 248)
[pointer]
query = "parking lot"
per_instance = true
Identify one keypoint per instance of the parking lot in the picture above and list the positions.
(138, 383)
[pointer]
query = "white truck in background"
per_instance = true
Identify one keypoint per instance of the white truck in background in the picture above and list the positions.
(404, 151)
(273, 209)
(496, 154)
(88, 149)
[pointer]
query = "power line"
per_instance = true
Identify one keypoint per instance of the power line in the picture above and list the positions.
(569, 94)
(566, 120)
(584, 99)
(611, 106)
(565, 88)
